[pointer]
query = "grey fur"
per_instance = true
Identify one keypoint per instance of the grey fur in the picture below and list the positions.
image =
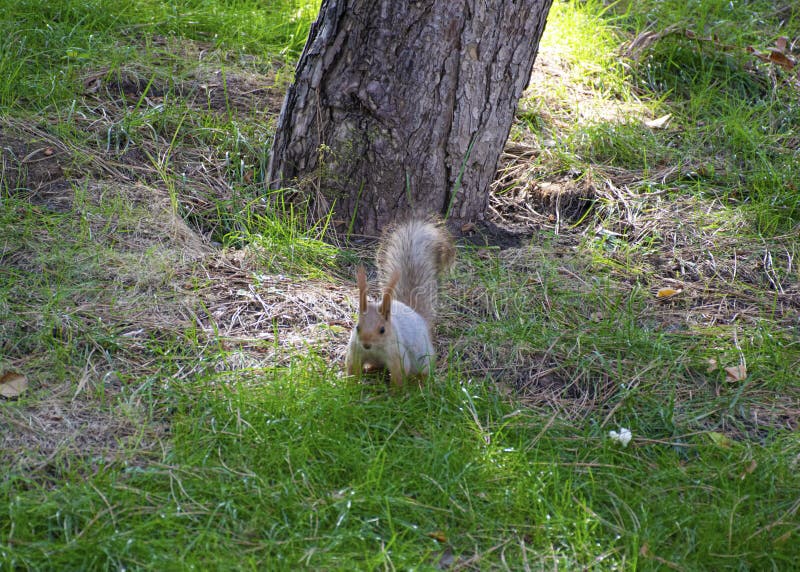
(416, 252)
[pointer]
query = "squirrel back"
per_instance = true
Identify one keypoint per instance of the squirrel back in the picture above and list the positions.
(414, 253)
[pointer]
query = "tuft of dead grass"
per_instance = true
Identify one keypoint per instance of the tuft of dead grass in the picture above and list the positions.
(273, 315)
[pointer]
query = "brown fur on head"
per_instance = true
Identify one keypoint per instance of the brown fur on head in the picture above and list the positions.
(373, 319)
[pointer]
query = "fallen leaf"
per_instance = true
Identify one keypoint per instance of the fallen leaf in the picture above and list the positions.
(12, 384)
(782, 43)
(48, 151)
(438, 535)
(467, 227)
(749, 469)
(735, 373)
(781, 59)
(667, 292)
(659, 122)
(712, 365)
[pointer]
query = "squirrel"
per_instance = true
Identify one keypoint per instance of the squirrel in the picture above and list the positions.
(396, 333)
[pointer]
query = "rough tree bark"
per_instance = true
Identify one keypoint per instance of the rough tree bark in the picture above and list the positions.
(404, 106)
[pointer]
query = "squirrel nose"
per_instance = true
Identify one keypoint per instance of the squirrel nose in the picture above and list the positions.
(367, 346)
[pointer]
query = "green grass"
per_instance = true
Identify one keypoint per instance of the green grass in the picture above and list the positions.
(48, 46)
(185, 408)
(289, 467)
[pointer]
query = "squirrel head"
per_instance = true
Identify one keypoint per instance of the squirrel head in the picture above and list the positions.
(374, 320)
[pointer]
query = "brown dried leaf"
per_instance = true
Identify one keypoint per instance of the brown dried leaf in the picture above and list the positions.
(712, 365)
(781, 59)
(12, 384)
(438, 536)
(782, 43)
(735, 373)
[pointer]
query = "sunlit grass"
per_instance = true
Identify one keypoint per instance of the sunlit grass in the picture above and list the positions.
(48, 46)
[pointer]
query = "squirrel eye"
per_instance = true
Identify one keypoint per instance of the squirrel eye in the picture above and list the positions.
(382, 329)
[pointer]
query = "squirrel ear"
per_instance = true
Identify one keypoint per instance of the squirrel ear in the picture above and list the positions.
(388, 294)
(361, 278)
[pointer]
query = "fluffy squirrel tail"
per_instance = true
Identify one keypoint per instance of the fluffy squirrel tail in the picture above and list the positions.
(415, 253)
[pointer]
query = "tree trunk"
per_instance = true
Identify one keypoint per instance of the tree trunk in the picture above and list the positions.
(401, 107)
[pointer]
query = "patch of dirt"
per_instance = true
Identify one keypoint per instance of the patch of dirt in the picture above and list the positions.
(537, 378)
(205, 88)
(206, 78)
(241, 92)
(33, 165)
(490, 234)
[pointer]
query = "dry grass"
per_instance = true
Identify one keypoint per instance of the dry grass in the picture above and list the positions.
(272, 316)
(51, 435)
